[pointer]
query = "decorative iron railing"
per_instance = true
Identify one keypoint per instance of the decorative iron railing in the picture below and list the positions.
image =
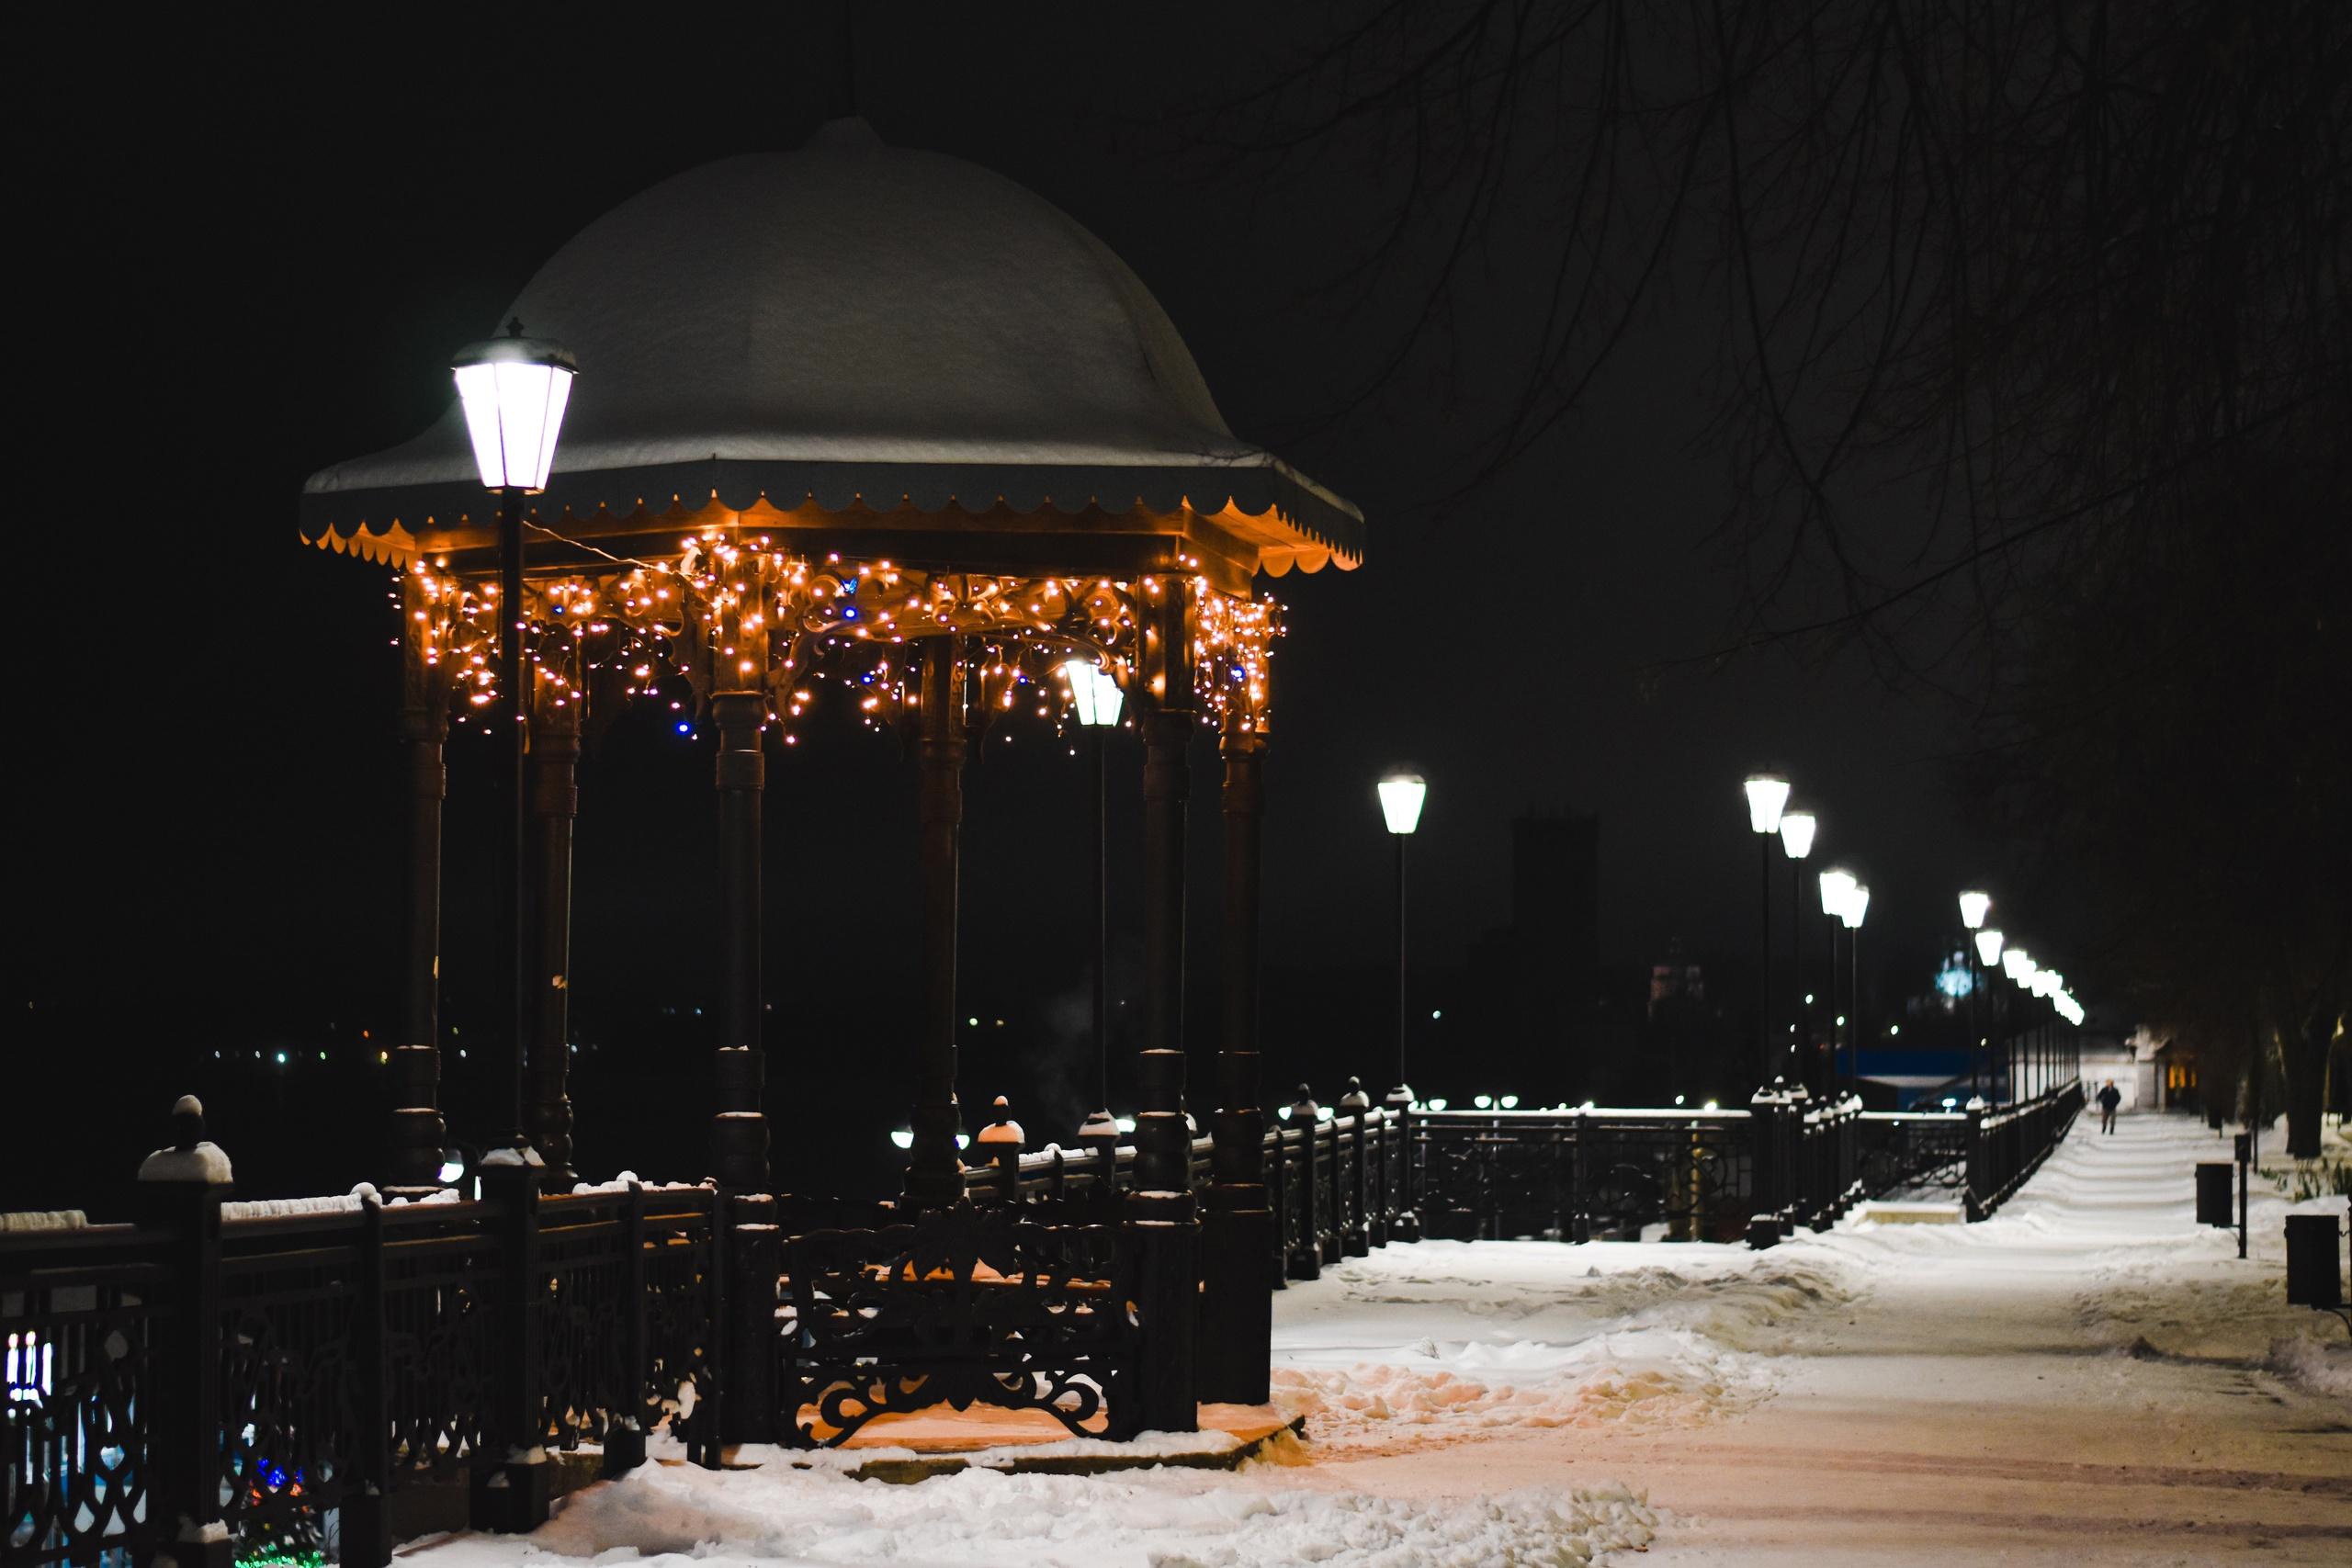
(285, 1380)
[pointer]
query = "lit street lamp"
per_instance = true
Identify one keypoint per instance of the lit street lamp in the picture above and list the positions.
(514, 390)
(1767, 796)
(1094, 691)
(1401, 794)
(1796, 841)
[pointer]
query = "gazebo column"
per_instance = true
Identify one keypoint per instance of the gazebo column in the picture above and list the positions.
(1237, 1242)
(934, 1169)
(1163, 1148)
(417, 1134)
(739, 1137)
(555, 801)
(1169, 1235)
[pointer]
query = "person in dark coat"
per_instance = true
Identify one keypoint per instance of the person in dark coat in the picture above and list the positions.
(2110, 1098)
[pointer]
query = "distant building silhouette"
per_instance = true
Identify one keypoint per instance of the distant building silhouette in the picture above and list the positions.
(1532, 983)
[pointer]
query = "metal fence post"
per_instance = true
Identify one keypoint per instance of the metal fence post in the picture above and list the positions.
(180, 1192)
(1768, 1122)
(366, 1532)
(1355, 1235)
(755, 1263)
(1401, 1196)
(1306, 1257)
(511, 1494)
(1980, 1163)
(625, 1429)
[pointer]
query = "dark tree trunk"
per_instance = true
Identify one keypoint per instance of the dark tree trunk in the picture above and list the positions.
(2303, 1046)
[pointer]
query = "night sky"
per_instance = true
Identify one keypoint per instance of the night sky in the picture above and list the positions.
(251, 253)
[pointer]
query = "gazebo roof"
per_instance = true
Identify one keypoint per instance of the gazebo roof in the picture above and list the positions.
(857, 326)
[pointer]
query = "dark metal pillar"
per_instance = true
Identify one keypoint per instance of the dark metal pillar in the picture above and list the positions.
(1236, 1232)
(934, 1171)
(555, 802)
(739, 1138)
(1764, 1058)
(1162, 1204)
(513, 688)
(1801, 1041)
(417, 1133)
(1162, 1146)
(1404, 1009)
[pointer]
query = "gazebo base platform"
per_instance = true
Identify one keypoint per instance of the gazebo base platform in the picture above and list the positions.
(938, 1440)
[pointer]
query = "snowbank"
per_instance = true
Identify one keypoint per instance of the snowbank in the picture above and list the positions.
(1157, 1518)
(1450, 1339)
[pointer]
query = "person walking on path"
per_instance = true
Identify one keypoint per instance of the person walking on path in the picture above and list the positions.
(2110, 1098)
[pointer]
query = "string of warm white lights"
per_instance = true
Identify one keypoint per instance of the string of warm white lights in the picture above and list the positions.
(729, 615)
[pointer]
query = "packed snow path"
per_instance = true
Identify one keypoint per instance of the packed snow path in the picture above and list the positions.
(2086, 1378)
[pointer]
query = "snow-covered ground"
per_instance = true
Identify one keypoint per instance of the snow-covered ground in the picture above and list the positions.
(2087, 1378)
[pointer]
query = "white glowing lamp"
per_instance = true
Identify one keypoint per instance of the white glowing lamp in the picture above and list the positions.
(2018, 965)
(1096, 692)
(1838, 884)
(1796, 833)
(1400, 801)
(514, 390)
(1988, 946)
(1767, 794)
(1857, 904)
(1973, 908)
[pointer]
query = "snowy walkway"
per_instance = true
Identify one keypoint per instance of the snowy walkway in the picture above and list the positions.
(2087, 1379)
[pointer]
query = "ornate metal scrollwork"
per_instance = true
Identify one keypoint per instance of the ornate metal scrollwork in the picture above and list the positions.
(74, 1481)
(962, 1306)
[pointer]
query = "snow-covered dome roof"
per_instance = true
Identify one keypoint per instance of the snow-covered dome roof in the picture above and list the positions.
(853, 320)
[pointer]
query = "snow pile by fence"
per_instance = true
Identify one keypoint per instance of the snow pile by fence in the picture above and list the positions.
(271, 1208)
(1598, 1336)
(45, 1220)
(1168, 1519)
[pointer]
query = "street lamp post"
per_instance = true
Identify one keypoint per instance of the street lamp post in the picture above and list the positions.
(1838, 886)
(513, 389)
(1401, 794)
(1094, 691)
(1797, 829)
(2019, 965)
(1857, 904)
(1767, 796)
(1973, 908)
(1988, 959)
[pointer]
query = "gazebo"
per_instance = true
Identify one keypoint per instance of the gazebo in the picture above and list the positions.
(858, 424)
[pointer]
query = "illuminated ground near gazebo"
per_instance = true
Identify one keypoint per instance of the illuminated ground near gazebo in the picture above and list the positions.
(2085, 1378)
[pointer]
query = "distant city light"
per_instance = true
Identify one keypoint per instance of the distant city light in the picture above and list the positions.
(1483, 1101)
(281, 1058)
(1511, 1102)
(1437, 1012)
(904, 1138)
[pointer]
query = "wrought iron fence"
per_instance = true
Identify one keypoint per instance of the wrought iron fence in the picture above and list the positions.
(284, 1378)
(200, 1377)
